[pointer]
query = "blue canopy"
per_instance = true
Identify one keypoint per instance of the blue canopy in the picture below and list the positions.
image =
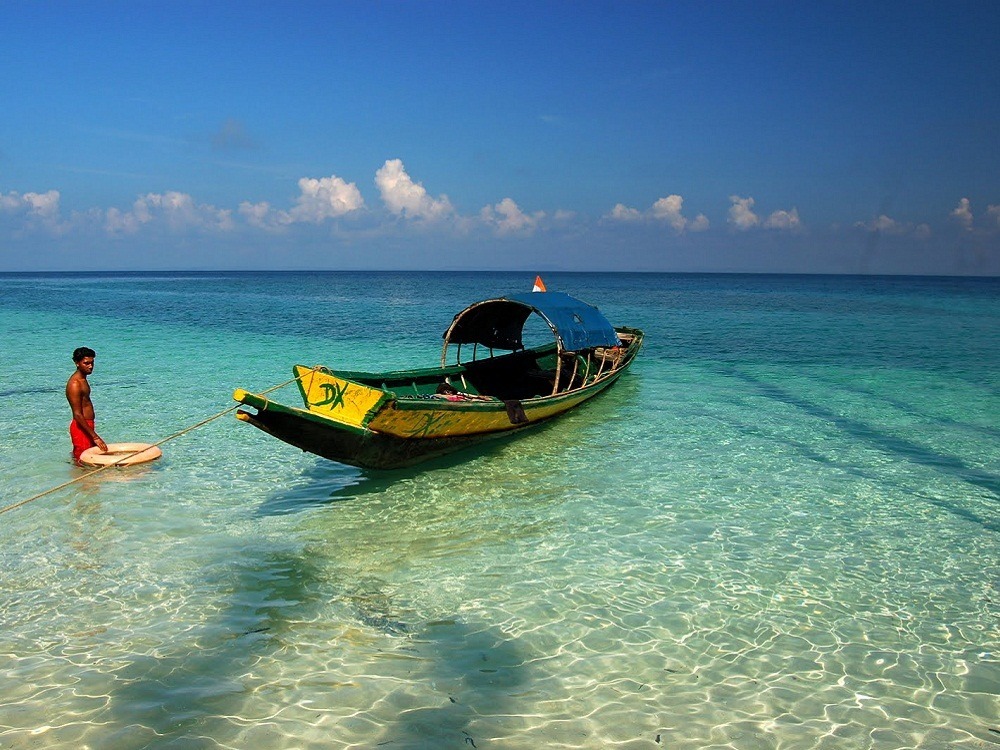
(498, 323)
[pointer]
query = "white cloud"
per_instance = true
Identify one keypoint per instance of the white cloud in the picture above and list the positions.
(36, 211)
(963, 214)
(890, 227)
(404, 197)
(117, 221)
(177, 210)
(621, 212)
(44, 206)
(666, 210)
(262, 216)
(325, 198)
(784, 220)
(883, 225)
(319, 199)
(669, 210)
(507, 218)
(741, 214)
(743, 218)
(698, 224)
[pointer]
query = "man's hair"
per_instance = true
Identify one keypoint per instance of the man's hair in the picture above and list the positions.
(83, 351)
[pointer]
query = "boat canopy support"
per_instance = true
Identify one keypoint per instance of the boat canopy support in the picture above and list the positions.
(499, 323)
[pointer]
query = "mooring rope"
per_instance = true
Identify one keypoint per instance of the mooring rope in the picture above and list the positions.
(118, 463)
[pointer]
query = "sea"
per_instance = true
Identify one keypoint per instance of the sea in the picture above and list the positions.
(780, 529)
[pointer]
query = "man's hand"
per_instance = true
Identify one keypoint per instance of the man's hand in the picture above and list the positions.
(101, 444)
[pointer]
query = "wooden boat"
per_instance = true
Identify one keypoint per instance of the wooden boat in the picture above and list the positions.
(388, 420)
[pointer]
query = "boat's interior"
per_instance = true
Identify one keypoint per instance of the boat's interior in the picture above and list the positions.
(519, 375)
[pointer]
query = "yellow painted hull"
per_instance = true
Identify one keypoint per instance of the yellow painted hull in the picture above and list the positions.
(355, 404)
(383, 421)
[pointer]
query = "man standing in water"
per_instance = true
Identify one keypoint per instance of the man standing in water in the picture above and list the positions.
(81, 429)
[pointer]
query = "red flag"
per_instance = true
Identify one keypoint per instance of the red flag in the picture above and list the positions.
(539, 285)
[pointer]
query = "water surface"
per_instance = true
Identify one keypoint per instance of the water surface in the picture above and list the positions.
(779, 530)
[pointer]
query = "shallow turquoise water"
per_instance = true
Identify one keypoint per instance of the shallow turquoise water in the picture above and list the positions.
(779, 530)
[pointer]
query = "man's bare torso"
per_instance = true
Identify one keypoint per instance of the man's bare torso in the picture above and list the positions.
(78, 394)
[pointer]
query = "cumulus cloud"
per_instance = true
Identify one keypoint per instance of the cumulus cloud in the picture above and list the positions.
(698, 224)
(666, 210)
(888, 226)
(325, 198)
(404, 197)
(741, 214)
(34, 211)
(319, 199)
(963, 214)
(262, 216)
(178, 211)
(784, 220)
(43, 206)
(621, 212)
(330, 198)
(669, 210)
(507, 218)
(117, 221)
(882, 224)
(743, 218)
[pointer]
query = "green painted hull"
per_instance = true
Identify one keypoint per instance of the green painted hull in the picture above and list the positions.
(362, 448)
(470, 422)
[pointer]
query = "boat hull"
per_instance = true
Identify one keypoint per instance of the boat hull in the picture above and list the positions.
(363, 448)
(348, 418)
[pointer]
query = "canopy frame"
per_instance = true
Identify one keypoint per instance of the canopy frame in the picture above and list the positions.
(499, 324)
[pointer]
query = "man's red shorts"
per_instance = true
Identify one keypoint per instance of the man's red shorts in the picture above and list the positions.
(81, 440)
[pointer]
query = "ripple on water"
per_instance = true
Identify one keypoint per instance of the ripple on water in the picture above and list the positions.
(757, 540)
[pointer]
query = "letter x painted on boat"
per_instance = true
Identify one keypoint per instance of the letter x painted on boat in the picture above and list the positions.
(431, 420)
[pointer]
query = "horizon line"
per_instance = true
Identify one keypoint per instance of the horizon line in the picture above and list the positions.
(154, 271)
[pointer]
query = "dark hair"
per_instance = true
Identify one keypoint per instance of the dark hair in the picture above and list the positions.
(83, 351)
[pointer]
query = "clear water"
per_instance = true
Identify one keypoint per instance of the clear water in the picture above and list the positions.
(779, 530)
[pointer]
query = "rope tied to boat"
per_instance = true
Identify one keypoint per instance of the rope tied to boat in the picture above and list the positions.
(119, 462)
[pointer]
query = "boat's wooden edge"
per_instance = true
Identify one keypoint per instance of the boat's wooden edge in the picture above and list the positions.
(262, 404)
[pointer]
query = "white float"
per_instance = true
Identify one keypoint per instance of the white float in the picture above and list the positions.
(121, 454)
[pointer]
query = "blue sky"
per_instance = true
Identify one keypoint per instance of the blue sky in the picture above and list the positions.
(830, 137)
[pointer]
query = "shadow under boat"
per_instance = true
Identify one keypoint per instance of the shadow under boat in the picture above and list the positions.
(328, 482)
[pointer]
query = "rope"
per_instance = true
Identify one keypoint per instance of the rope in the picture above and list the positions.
(117, 463)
